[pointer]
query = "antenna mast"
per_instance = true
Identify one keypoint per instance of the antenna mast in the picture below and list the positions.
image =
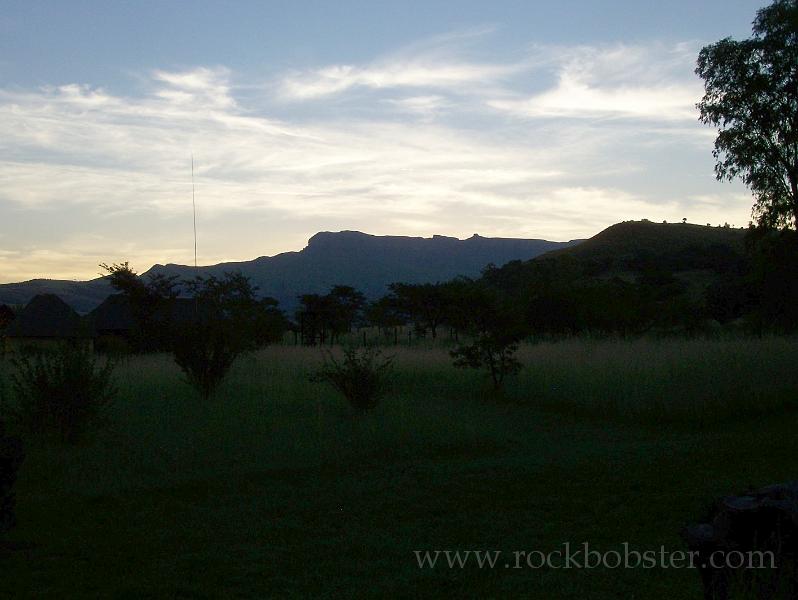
(194, 209)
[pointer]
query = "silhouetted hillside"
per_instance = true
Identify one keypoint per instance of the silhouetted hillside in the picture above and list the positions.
(369, 263)
(366, 262)
(634, 245)
(632, 277)
(80, 295)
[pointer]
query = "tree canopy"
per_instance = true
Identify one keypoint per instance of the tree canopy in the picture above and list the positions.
(751, 96)
(147, 298)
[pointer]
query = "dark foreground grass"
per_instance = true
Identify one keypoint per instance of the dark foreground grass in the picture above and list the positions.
(274, 489)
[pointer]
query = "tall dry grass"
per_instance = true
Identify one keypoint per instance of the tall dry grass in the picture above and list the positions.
(268, 415)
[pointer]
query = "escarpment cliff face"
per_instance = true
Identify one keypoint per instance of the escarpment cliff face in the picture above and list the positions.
(366, 262)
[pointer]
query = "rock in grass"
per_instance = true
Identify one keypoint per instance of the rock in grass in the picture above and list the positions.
(748, 544)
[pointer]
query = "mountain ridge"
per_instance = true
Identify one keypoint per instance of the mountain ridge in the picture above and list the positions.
(364, 261)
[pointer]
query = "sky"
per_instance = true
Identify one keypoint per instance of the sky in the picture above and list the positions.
(525, 119)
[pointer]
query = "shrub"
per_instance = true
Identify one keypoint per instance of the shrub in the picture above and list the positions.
(205, 352)
(494, 325)
(228, 320)
(60, 392)
(11, 456)
(491, 353)
(361, 376)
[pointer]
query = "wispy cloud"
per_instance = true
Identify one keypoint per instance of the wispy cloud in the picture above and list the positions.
(434, 138)
(198, 87)
(339, 78)
(425, 107)
(434, 63)
(575, 98)
(650, 82)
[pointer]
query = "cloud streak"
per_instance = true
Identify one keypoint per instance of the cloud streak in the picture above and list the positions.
(427, 140)
(619, 81)
(336, 79)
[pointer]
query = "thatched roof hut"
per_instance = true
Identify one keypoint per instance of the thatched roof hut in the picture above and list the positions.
(113, 317)
(116, 317)
(186, 311)
(7, 315)
(47, 317)
(117, 325)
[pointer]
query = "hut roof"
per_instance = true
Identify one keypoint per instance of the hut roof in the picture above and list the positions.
(6, 315)
(114, 314)
(185, 311)
(46, 316)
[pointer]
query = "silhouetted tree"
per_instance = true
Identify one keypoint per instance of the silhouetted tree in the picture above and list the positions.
(385, 314)
(270, 323)
(314, 316)
(147, 299)
(773, 279)
(347, 305)
(423, 303)
(234, 300)
(751, 95)
(228, 320)
(323, 318)
(728, 299)
(494, 327)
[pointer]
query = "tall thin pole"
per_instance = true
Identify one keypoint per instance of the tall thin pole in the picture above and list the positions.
(194, 208)
(194, 211)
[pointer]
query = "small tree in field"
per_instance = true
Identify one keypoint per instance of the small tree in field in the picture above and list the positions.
(361, 377)
(207, 345)
(492, 327)
(228, 320)
(61, 393)
(494, 354)
(205, 351)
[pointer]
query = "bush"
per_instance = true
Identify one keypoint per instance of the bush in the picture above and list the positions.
(11, 456)
(60, 392)
(205, 352)
(494, 354)
(361, 377)
(228, 320)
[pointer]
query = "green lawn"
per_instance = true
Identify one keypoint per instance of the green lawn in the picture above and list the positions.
(273, 489)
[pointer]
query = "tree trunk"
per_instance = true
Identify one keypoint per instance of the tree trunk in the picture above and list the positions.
(794, 186)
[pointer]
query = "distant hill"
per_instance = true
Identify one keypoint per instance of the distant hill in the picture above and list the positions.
(692, 252)
(366, 262)
(678, 246)
(698, 256)
(80, 295)
(632, 277)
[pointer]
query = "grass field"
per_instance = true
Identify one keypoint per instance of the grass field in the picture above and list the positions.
(274, 489)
